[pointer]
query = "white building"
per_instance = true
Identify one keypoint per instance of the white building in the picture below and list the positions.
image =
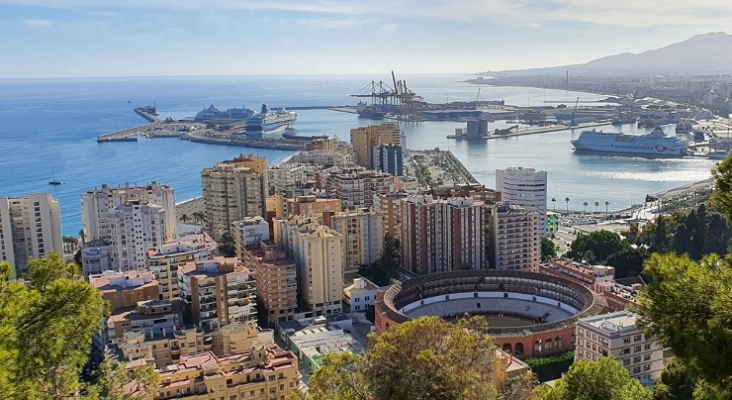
(525, 187)
(96, 257)
(251, 230)
(135, 228)
(363, 235)
(281, 177)
(29, 227)
(360, 294)
(616, 335)
(98, 203)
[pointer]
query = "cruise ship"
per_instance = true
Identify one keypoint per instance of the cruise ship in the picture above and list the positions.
(654, 144)
(234, 114)
(267, 121)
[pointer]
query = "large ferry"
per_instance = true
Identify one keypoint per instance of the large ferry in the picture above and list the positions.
(654, 144)
(267, 121)
(212, 113)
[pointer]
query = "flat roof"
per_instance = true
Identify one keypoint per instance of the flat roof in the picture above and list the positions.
(614, 322)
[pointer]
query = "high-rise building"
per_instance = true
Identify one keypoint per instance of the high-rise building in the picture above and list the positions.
(617, 335)
(390, 206)
(135, 228)
(356, 188)
(442, 235)
(234, 190)
(218, 292)
(525, 187)
(389, 158)
(366, 140)
(514, 238)
(281, 177)
(164, 261)
(29, 227)
(276, 279)
(97, 204)
(363, 235)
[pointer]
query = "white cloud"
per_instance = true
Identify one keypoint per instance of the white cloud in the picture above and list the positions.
(333, 23)
(391, 27)
(37, 23)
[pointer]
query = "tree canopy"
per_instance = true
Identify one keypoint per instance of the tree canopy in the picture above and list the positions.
(384, 268)
(548, 249)
(605, 379)
(423, 359)
(605, 247)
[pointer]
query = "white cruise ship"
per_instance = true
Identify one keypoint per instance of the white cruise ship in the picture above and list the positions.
(654, 144)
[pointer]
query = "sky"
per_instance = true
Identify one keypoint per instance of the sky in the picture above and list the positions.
(101, 38)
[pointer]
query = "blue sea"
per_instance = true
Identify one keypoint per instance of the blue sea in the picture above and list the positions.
(48, 128)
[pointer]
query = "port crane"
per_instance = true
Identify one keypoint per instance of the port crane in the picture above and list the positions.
(574, 112)
(399, 99)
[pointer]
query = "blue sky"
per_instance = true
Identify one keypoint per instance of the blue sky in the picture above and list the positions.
(80, 38)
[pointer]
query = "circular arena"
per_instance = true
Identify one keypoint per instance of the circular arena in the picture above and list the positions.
(529, 314)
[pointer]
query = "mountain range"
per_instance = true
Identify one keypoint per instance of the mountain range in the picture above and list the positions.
(710, 53)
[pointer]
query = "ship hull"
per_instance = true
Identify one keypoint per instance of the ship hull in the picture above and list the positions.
(656, 151)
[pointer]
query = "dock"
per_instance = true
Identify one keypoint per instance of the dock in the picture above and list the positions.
(131, 135)
(534, 131)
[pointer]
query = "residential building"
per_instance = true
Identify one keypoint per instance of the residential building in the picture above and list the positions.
(151, 317)
(591, 276)
(97, 204)
(281, 177)
(125, 289)
(311, 339)
(96, 257)
(164, 261)
(276, 279)
(366, 139)
(234, 190)
(360, 294)
(311, 205)
(162, 350)
(29, 227)
(323, 159)
(363, 235)
(356, 187)
(250, 231)
(525, 187)
(617, 335)
(514, 238)
(218, 291)
(135, 227)
(389, 158)
(263, 372)
(390, 206)
(621, 292)
(442, 235)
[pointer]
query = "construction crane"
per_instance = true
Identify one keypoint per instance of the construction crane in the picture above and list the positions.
(574, 112)
(477, 98)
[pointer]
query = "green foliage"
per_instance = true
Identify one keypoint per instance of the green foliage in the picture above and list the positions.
(722, 197)
(227, 246)
(115, 382)
(688, 307)
(602, 380)
(424, 176)
(552, 367)
(548, 249)
(675, 383)
(385, 267)
(605, 247)
(422, 359)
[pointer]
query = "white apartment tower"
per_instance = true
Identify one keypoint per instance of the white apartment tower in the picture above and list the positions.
(525, 187)
(98, 203)
(136, 227)
(29, 227)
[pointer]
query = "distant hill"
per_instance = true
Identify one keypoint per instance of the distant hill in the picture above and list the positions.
(701, 54)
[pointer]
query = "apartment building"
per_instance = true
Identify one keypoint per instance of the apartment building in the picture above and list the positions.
(264, 372)
(389, 158)
(135, 227)
(250, 231)
(514, 237)
(167, 349)
(276, 279)
(125, 289)
(360, 294)
(617, 335)
(218, 291)
(525, 187)
(366, 140)
(356, 187)
(234, 190)
(164, 261)
(29, 227)
(363, 235)
(390, 206)
(442, 235)
(97, 204)
(281, 177)
(311, 205)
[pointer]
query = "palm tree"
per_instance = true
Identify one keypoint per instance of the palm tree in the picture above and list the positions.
(597, 204)
(554, 203)
(607, 203)
(567, 200)
(184, 218)
(585, 204)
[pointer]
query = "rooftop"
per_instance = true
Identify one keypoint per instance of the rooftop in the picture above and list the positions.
(617, 322)
(112, 281)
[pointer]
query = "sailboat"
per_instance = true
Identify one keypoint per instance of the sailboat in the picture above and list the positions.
(54, 181)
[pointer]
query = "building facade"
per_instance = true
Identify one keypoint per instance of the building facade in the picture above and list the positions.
(164, 261)
(135, 227)
(617, 335)
(389, 159)
(514, 237)
(360, 294)
(281, 177)
(356, 188)
(366, 140)
(234, 190)
(363, 235)
(525, 187)
(250, 231)
(390, 206)
(29, 227)
(311, 205)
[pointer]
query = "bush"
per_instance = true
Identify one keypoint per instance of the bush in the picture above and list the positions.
(552, 367)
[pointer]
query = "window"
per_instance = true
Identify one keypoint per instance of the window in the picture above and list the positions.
(636, 370)
(626, 340)
(626, 361)
(646, 357)
(636, 359)
(637, 338)
(637, 349)
(647, 347)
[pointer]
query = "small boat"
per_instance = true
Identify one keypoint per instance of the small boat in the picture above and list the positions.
(54, 181)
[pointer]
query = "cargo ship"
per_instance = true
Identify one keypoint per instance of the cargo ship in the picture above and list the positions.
(654, 144)
(268, 121)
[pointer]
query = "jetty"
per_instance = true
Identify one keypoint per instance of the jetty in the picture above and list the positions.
(150, 113)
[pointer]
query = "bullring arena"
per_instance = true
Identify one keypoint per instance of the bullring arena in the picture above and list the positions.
(529, 314)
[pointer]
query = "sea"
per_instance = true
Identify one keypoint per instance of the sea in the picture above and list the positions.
(48, 130)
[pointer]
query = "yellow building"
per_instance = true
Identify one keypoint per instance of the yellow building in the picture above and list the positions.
(265, 372)
(365, 139)
(311, 205)
(363, 235)
(234, 190)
